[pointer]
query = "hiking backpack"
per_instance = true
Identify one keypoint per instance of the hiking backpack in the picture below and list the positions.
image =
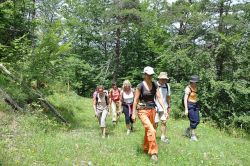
(184, 96)
(106, 98)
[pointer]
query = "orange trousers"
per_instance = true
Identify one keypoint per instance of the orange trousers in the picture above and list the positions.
(147, 117)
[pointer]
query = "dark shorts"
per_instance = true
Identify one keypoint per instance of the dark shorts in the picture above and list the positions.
(193, 115)
(128, 113)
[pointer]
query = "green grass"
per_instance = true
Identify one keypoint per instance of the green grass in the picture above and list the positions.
(34, 139)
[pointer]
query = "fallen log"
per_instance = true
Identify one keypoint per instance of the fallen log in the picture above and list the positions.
(46, 104)
(9, 100)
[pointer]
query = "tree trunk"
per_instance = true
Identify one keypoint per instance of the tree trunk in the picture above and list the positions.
(117, 53)
(32, 25)
(220, 58)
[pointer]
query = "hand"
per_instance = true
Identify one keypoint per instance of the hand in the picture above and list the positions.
(166, 114)
(96, 115)
(133, 117)
(186, 112)
(168, 110)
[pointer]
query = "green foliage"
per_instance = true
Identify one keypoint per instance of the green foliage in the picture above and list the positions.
(227, 103)
(177, 91)
(178, 65)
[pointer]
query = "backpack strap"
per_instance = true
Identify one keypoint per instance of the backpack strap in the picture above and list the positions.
(106, 98)
(142, 87)
(96, 99)
(190, 91)
(166, 86)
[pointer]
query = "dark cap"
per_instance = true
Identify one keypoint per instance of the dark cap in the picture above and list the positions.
(194, 78)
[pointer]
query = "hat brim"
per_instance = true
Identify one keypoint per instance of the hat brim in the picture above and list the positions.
(194, 81)
(148, 73)
(166, 78)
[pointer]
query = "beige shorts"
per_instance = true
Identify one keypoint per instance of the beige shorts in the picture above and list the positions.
(160, 116)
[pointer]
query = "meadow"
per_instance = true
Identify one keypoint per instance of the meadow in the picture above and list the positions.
(36, 139)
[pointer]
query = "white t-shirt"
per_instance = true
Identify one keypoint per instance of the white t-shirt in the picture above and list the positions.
(164, 92)
(128, 98)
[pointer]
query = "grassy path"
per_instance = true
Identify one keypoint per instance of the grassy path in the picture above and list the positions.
(35, 140)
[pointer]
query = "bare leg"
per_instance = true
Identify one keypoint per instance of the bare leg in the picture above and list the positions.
(163, 129)
(103, 131)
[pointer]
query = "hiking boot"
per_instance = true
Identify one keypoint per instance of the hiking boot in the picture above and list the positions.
(132, 127)
(114, 123)
(165, 140)
(154, 158)
(188, 132)
(193, 138)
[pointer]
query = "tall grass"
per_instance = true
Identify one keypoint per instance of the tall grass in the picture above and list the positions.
(34, 139)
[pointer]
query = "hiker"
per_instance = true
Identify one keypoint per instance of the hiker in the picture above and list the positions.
(164, 89)
(145, 94)
(127, 98)
(114, 101)
(191, 107)
(101, 105)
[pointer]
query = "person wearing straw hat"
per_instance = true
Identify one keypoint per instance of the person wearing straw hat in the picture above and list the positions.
(144, 102)
(191, 107)
(162, 116)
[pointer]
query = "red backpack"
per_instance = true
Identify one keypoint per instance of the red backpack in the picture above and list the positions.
(115, 94)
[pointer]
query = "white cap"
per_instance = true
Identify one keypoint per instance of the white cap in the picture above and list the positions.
(148, 70)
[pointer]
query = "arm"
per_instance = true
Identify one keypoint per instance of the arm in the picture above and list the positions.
(169, 106)
(110, 97)
(94, 105)
(169, 99)
(187, 91)
(136, 100)
(121, 99)
(160, 100)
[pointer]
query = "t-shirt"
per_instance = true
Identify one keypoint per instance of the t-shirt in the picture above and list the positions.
(128, 98)
(164, 92)
(192, 94)
(101, 102)
(147, 96)
(115, 94)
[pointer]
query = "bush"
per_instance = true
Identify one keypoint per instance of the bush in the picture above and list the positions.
(177, 91)
(226, 103)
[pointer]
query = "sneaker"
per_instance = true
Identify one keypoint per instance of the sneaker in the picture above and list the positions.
(193, 138)
(188, 132)
(128, 132)
(165, 140)
(154, 158)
